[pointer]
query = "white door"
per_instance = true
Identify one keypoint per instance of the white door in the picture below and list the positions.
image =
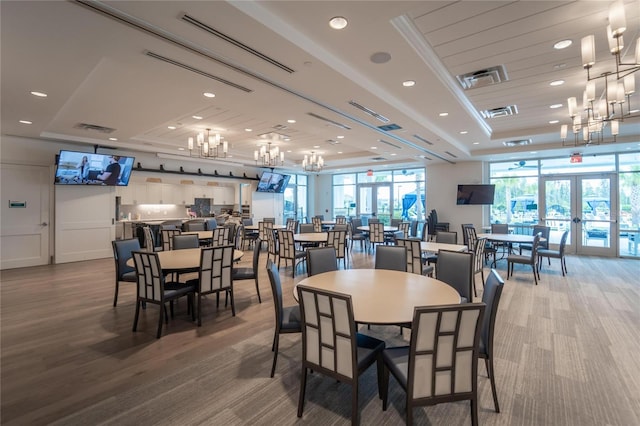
(24, 230)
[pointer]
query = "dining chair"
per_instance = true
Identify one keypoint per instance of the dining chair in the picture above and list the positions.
(149, 240)
(356, 234)
(247, 221)
(264, 228)
(271, 220)
(167, 238)
(376, 234)
(456, 269)
(195, 225)
(232, 226)
(288, 318)
(445, 237)
(544, 231)
(330, 344)
(220, 236)
(391, 257)
(215, 276)
(210, 224)
(465, 235)
(440, 364)
(287, 251)
(479, 245)
(413, 231)
(247, 236)
(501, 228)
(122, 250)
(491, 298)
(321, 259)
(306, 228)
(425, 236)
(317, 224)
(530, 260)
(181, 242)
(244, 273)
(152, 288)
(341, 220)
(415, 262)
(556, 254)
(272, 243)
(292, 225)
(338, 241)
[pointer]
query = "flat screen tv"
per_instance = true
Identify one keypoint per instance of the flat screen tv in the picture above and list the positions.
(85, 168)
(475, 194)
(273, 182)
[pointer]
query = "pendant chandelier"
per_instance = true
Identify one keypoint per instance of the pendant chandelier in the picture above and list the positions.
(313, 163)
(605, 95)
(268, 156)
(208, 146)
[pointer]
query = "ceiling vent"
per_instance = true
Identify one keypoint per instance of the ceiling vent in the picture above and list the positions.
(518, 142)
(369, 111)
(389, 143)
(421, 139)
(332, 142)
(94, 128)
(279, 127)
(451, 154)
(483, 78)
(329, 121)
(378, 159)
(504, 111)
(389, 127)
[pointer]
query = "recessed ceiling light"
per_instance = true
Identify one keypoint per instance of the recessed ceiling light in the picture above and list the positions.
(316, 146)
(288, 150)
(26, 122)
(171, 127)
(197, 117)
(562, 44)
(39, 94)
(463, 132)
(287, 139)
(556, 83)
(291, 121)
(248, 130)
(113, 139)
(555, 106)
(409, 83)
(340, 137)
(554, 121)
(209, 95)
(339, 152)
(443, 114)
(338, 22)
(476, 143)
(374, 147)
(181, 149)
(393, 154)
(633, 111)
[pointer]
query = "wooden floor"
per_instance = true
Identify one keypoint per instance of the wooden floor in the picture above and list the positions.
(567, 350)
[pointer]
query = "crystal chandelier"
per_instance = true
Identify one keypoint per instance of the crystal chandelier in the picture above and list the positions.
(313, 163)
(606, 109)
(208, 146)
(268, 156)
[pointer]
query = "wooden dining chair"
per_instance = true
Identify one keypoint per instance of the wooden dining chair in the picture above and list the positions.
(244, 273)
(122, 250)
(531, 260)
(391, 257)
(456, 269)
(491, 298)
(321, 259)
(167, 238)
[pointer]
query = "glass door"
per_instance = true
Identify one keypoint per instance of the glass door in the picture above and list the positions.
(585, 206)
(374, 200)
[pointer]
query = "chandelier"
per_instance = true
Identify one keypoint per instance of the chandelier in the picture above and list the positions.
(604, 106)
(208, 146)
(268, 156)
(313, 163)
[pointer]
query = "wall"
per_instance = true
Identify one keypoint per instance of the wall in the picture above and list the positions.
(442, 187)
(322, 185)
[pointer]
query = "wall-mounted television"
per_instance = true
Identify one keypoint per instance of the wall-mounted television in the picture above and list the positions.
(85, 168)
(273, 182)
(475, 194)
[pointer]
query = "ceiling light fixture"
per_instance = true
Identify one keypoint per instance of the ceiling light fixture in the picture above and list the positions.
(39, 94)
(171, 127)
(409, 83)
(555, 106)
(269, 155)
(209, 95)
(26, 122)
(197, 117)
(338, 22)
(443, 114)
(312, 163)
(556, 83)
(207, 146)
(562, 44)
(600, 110)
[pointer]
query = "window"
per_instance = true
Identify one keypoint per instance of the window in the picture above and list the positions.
(295, 198)
(344, 195)
(629, 199)
(516, 195)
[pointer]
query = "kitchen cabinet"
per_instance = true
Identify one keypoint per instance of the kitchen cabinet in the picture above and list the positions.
(223, 195)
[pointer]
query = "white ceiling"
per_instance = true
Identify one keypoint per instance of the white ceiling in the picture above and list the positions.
(97, 70)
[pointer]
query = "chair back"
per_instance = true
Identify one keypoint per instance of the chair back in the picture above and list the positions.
(490, 297)
(443, 352)
(269, 219)
(122, 250)
(534, 249)
(195, 225)
(391, 257)
(328, 332)
(470, 236)
(447, 237)
(264, 228)
(239, 237)
(341, 220)
(404, 228)
(456, 269)
(210, 224)
(395, 222)
(414, 254)
(341, 227)
(256, 254)
(286, 244)
(479, 245)
(292, 225)
(232, 231)
(356, 222)
(499, 228)
(413, 230)
(338, 240)
(321, 259)
(376, 232)
(167, 238)
(187, 241)
(465, 236)
(149, 243)
(150, 282)
(306, 228)
(544, 233)
(272, 242)
(216, 265)
(276, 291)
(425, 231)
(220, 236)
(563, 242)
(317, 224)
(373, 220)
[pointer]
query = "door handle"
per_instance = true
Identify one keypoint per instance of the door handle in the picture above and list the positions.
(576, 220)
(44, 224)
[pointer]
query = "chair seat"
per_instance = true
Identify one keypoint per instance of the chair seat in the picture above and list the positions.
(291, 318)
(173, 292)
(516, 258)
(549, 253)
(368, 348)
(426, 270)
(243, 274)
(129, 276)
(398, 361)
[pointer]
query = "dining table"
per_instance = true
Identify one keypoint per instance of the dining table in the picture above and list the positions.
(255, 227)
(202, 235)
(387, 228)
(185, 260)
(381, 296)
(434, 247)
(310, 237)
(507, 240)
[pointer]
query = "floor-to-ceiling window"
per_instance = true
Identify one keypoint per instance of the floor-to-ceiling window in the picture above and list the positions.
(295, 198)
(629, 198)
(344, 194)
(516, 194)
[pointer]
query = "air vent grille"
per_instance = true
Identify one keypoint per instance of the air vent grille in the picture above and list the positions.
(483, 78)
(504, 111)
(421, 139)
(389, 127)
(389, 143)
(378, 159)
(518, 142)
(332, 142)
(369, 111)
(451, 154)
(94, 128)
(333, 123)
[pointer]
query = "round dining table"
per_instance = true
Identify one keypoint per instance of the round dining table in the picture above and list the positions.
(255, 227)
(365, 228)
(381, 296)
(186, 260)
(310, 237)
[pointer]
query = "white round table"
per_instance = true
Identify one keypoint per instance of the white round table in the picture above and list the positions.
(310, 237)
(183, 260)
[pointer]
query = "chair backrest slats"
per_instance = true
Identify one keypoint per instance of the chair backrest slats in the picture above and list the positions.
(338, 240)
(150, 283)
(216, 264)
(167, 238)
(414, 254)
(376, 232)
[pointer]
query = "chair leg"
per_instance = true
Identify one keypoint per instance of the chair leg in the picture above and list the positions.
(199, 309)
(474, 410)
(274, 348)
(535, 275)
(303, 385)
(162, 309)
(258, 288)
(385, 387)
(233, 303)
(135, 318)
(115, 298)
(491, 373)
(354, 402)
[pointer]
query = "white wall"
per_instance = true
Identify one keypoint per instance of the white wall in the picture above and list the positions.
(442, 187)
(323, 199)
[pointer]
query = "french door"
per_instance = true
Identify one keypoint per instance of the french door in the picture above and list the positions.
(375, 199)
(586, 206)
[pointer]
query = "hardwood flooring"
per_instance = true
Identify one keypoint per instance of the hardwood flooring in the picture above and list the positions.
(566, 352)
